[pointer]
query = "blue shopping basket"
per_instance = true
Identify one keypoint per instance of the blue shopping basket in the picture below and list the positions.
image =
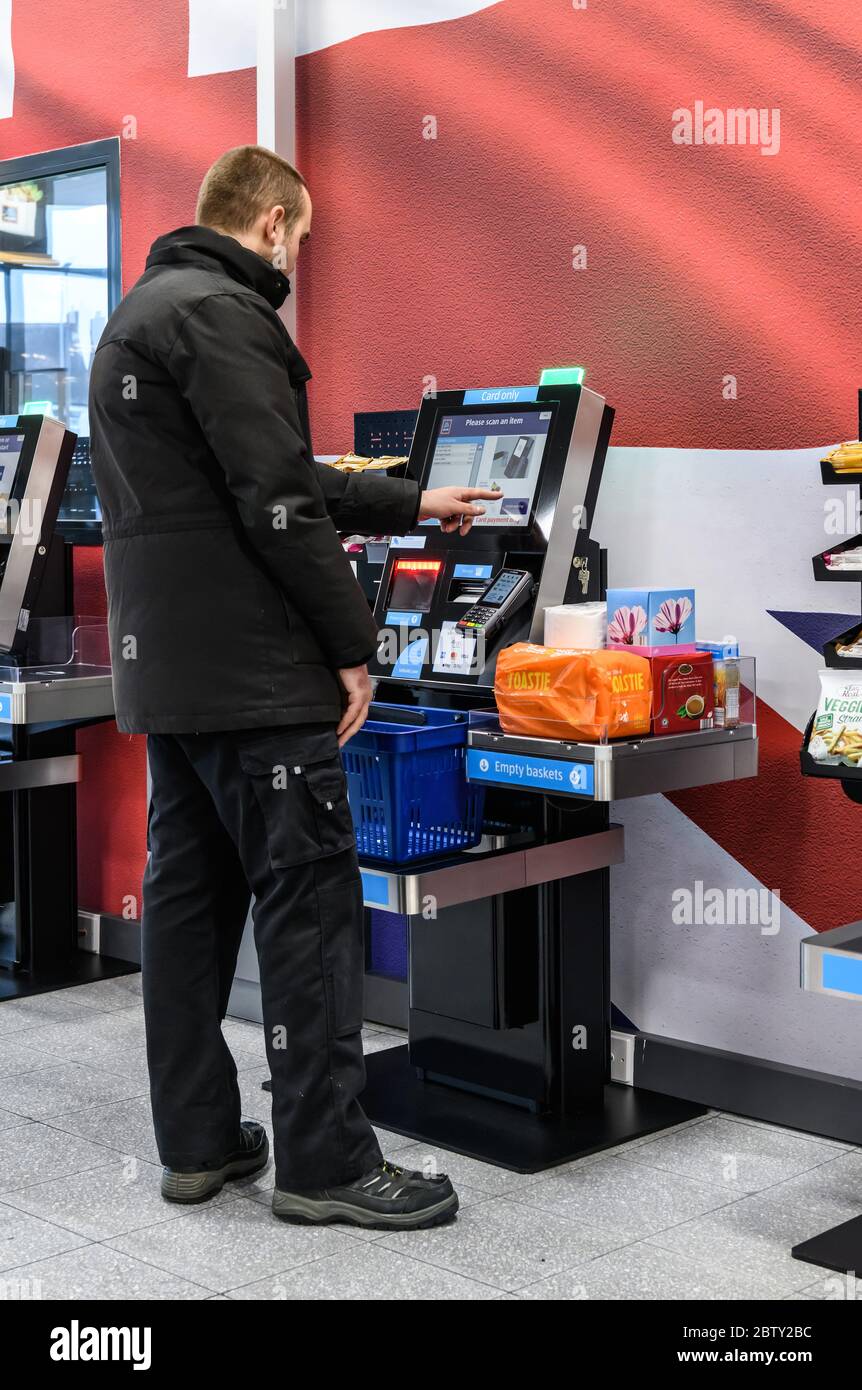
(406, 782)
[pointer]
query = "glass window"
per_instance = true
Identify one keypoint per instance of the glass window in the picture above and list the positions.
(54, 302)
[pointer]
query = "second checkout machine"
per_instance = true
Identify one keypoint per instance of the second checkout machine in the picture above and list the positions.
(55, 677)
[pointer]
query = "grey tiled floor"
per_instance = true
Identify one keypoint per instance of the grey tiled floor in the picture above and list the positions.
(706, 1211)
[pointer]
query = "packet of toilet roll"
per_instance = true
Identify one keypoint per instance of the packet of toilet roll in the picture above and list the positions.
(556, 692)
(583, 625)
(836, 733)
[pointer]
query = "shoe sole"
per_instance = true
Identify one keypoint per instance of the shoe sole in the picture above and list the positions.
(199, 1187)
(309, 1211)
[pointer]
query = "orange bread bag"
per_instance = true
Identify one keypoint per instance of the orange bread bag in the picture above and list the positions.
(556, 692)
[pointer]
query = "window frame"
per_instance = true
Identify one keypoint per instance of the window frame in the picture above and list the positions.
(72, 159)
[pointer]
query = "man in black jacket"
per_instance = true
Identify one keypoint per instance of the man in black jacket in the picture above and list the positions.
(239, 638)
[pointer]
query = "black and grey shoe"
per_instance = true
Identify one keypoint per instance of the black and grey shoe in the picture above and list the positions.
(388, 1198)
(197, 1184)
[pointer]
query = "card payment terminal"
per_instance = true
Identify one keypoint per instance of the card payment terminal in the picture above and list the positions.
(507, 592)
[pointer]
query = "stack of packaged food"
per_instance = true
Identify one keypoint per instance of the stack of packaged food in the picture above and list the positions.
(649, 676)
(836, 731)
(358, 463)
(847, 457)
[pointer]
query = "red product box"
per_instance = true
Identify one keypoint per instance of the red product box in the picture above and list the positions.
(683, 694)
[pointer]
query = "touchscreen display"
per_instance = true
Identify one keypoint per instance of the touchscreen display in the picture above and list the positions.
(11, 445)
(502, 587)
(503, 450)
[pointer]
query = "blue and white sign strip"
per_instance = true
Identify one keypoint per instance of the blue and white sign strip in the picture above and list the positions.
(500, 395)
(395, 617)
(541, 774)
(842, 973)
(5, 709)
(472, 571)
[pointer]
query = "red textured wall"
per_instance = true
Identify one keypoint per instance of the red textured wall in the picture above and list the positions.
(82, 67)
(452, 256)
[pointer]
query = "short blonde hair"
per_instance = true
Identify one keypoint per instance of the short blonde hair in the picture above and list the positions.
(245, 182)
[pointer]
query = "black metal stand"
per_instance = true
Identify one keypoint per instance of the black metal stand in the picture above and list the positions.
(40, 830)
(83, 968)
(39, 875)
(508, 1058)
(839, 1249)
(505, 1135)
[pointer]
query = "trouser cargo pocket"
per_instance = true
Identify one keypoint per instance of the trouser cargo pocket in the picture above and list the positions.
(342, 929)
(301, 789)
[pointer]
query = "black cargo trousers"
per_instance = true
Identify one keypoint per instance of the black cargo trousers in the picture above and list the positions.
(260, 812)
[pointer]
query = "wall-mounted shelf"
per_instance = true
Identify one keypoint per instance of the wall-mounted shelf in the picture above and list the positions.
(842, 772)
(835, 475)
(843, 663)
(822, 571)
(849, 776)
(832, 961)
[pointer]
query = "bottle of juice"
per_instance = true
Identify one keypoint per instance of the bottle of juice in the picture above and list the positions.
(727, 682)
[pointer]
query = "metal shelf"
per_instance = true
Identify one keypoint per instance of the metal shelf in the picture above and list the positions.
(824, 575)
(479, 873)
(612, 771)
(53, 695)
(843, 663)
(850, 776)
(830, 474)
(23, 774)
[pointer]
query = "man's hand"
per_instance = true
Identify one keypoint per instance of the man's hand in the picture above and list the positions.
(452, 506)
(357, 688)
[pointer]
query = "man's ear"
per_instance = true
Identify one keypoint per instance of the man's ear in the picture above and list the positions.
(275, 223)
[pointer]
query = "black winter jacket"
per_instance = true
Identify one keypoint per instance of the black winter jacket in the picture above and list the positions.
(231, 602)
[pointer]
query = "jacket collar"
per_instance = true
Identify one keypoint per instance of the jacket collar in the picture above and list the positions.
(188, 244)
(194, 245)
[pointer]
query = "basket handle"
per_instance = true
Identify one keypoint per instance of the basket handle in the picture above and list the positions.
(395, 715)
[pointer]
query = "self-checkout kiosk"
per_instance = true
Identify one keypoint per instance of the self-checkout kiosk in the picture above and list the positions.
(55, 676)
(507, 1023)
(35, 453)
(508, 1056)
(508, 1013)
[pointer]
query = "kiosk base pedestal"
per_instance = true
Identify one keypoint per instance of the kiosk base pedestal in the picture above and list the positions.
(506, 1135)
(82, 968)
(839, 1249)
